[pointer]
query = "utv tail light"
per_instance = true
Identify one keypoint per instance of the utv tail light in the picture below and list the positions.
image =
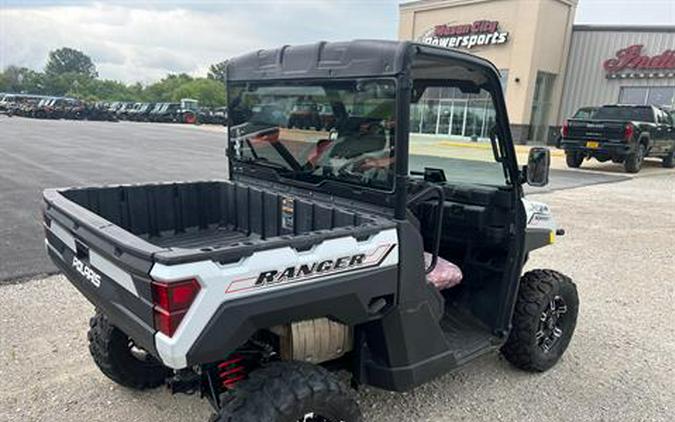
(565, 130)
(172, 301)
(628, 132)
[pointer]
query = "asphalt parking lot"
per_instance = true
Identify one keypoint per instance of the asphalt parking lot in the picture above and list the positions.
(618, 248)
(39, 154)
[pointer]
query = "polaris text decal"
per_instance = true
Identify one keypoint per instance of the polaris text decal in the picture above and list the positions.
(87, 272)
(302, 272)
(478, 34)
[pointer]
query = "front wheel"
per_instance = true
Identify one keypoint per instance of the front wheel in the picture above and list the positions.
(289, 392)
(120, 359)
(543, 320)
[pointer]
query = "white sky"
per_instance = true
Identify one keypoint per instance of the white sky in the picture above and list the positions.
(144, 40)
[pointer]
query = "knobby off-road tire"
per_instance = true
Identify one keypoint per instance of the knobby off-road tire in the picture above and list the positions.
(574, 159)
(526, 347)
(634, 160)
(113, 353)
(289, 392)
(669, 160)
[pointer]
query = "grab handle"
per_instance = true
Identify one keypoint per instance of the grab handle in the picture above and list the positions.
(423, 195)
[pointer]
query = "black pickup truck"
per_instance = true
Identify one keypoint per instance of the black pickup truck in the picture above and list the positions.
(621, 133)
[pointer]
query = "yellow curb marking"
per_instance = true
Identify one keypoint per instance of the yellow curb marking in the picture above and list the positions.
(523, 149)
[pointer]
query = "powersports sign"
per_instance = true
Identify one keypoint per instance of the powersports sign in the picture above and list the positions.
(477, 34)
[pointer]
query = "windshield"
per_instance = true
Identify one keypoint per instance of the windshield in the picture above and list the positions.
(640, 114)
(278, 125)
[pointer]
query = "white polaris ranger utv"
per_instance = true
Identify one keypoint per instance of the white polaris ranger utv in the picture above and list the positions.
(395, 257)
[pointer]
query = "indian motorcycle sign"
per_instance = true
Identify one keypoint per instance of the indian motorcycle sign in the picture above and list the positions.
(633, 62)
(477, 34)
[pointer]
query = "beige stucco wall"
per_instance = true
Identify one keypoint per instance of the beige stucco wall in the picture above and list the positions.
(539, 34)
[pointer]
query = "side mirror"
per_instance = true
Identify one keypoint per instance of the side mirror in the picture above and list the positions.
(538, 167)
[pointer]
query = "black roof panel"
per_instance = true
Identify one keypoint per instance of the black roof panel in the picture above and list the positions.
(321, 60)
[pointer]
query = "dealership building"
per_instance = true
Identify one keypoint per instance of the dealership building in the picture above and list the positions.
(550, 67)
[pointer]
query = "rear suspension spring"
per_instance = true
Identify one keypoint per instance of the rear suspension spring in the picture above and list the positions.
(231, 371)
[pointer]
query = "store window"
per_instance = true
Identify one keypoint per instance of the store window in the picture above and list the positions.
(661, 96)
(656, 95)
(631, 95)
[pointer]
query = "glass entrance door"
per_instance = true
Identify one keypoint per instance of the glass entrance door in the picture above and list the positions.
(445, 116)
(429, 122)
(458, 118)
(475, 119)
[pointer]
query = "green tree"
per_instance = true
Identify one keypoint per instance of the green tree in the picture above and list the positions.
(208, 92)
(68, 60)
(3, 82)
(72, 73)
(64, 83)
(163, 90)
(217, 71)
(96, 89)
(22, 80)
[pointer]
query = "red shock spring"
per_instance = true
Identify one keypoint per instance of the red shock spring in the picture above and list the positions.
(231, 371)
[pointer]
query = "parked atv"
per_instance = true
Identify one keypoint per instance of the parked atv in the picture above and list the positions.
(122, 112)
(141, 113)
(219, 116)
(53, 108)
(74, 110)
(321, 252)
(99, 111)
(166, 113)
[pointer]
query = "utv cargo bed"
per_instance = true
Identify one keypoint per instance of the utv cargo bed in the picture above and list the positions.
(108, 240)
(178, 222)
